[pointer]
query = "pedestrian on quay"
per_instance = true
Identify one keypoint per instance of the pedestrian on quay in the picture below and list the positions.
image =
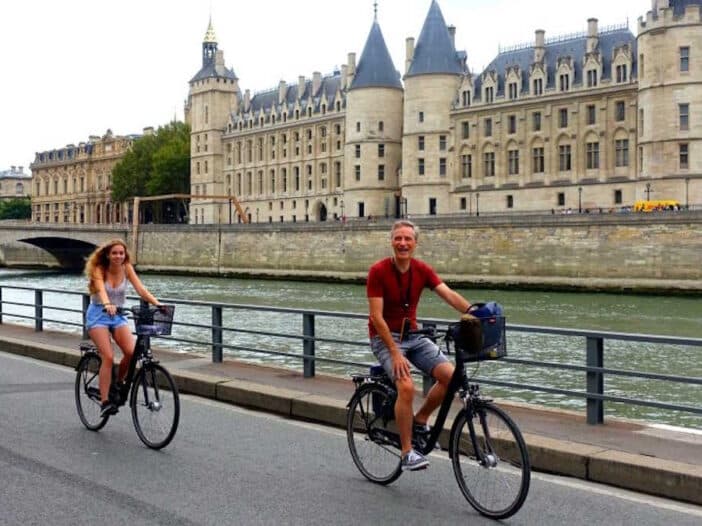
(394, 287)
(108, 270)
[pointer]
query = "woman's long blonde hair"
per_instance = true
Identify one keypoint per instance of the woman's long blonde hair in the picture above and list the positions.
(99, 260)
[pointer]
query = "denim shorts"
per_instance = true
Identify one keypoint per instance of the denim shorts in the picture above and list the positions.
(423, 353)
(96, 317)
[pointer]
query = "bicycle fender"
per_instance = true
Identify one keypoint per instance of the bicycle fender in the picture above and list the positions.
(453, 430)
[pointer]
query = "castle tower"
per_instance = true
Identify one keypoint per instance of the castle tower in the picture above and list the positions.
(431, 85)
(669, 99)
(214, 94)
(373, 147)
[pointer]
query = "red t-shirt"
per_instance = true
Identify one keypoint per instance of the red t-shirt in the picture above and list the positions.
(397, 289)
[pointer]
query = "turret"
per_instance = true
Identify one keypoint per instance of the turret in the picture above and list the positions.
(213, 97)
(432, 83)
(373, 147)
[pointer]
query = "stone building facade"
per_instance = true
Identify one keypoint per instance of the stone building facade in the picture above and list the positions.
(595, 120)
(73, 184)
(14, 183)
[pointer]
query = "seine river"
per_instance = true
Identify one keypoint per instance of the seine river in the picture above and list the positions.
(661, 315)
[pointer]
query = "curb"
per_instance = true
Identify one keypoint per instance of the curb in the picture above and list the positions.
(645, 474)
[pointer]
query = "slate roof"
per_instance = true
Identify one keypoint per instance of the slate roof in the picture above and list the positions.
(574, 48)
(375, 69)
(269, 98)
(211, 71)
(435, 51)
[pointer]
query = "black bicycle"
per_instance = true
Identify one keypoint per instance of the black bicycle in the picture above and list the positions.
(149, 387)
(487, 450)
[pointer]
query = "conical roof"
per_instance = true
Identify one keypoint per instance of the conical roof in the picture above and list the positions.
(375, 69)
(435, 52)
(210, 35)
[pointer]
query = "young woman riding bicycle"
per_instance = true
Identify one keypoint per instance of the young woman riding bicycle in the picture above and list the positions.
(108, 270)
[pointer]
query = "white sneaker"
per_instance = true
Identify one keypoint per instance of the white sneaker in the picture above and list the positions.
(414, 461)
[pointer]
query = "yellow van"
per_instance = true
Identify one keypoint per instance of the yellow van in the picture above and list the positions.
(653, 206)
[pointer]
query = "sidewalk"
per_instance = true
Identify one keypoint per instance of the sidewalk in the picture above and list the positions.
(649, 459)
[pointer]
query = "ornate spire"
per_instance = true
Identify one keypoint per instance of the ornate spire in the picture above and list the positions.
(375, 11)
(210, 35)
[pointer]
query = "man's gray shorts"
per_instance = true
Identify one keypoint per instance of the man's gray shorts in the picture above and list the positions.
(423, 353)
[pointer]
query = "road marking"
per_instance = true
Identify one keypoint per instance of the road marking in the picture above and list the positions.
(622, 494)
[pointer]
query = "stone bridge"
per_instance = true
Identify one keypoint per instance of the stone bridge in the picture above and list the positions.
(70, 244)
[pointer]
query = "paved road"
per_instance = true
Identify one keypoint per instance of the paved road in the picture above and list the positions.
(232, 466)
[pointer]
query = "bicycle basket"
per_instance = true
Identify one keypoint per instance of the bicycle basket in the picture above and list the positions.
(481, 334)
(150, 321)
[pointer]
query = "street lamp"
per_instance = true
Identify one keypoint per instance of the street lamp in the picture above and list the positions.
(687, 188)
(648, 191)
(257, 215)
(477, 204)
(343, 218)
(580, 199)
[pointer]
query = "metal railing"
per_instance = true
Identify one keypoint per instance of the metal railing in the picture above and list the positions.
(220, 341)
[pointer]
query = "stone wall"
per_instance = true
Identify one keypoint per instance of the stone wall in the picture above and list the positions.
(657, 247)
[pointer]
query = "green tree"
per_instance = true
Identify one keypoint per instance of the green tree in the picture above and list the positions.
(155, 165)
(20, 208)
(171, 161)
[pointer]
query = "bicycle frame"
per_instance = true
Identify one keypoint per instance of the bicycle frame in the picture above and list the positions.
(458, 383)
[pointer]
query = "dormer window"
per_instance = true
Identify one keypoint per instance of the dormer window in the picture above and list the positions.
(622, 73)
(489, 95)
(538, 87)
(512, 90)
(563, 82)
(591, 78)
(465, 98)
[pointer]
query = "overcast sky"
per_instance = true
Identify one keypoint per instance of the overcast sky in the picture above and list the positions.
(74, 68)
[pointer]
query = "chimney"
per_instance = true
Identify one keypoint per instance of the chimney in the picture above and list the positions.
(539, 45)
(300, 86)
(351, 63)
(21, 169)
(592, 38)
(13, 169)
(344, 75)
(452, 34)
(409, 52)
(316, 82)
(247, 100)
(282, 90)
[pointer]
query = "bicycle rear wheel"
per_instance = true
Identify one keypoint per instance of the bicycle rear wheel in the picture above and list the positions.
(87, 392)
(492, 468)
(155, 406)
(372, 435)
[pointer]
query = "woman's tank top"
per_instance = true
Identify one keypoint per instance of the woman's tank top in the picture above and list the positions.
(116, 295)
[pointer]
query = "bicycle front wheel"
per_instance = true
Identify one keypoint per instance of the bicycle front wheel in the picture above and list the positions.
(372, 434)
(87, 391)
(155, 406)
(490, 461)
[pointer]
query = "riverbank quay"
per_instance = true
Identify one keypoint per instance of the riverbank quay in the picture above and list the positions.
(663, 287)
(635, 253)
(651, 459)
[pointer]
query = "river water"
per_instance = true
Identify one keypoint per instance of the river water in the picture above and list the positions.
(662, 315)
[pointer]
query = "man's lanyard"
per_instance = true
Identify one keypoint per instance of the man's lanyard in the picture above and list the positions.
(406, 300)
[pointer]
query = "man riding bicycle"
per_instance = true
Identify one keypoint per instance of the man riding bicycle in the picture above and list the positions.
(394, 287)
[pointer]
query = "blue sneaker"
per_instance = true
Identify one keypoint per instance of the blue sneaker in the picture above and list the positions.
(414, 461)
